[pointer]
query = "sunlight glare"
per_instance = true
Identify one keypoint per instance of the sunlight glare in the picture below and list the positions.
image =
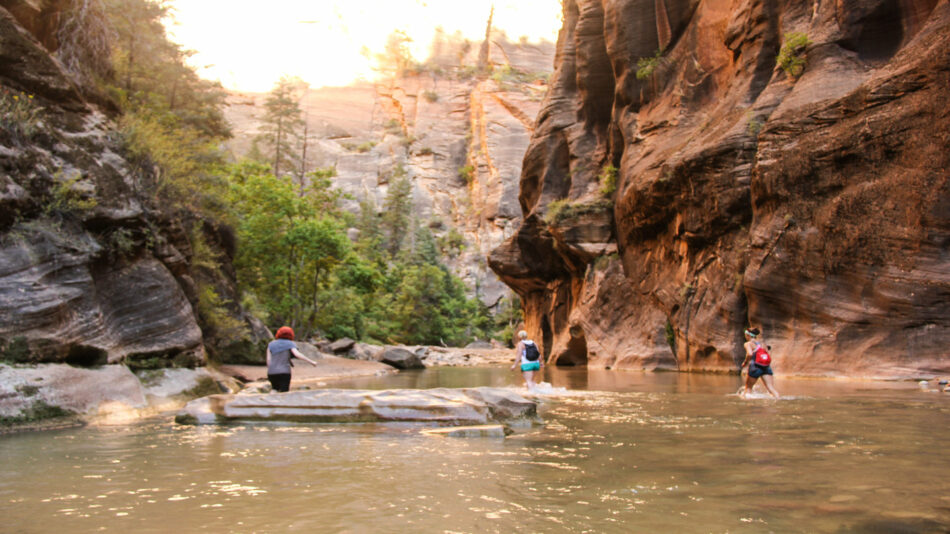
(248, 45)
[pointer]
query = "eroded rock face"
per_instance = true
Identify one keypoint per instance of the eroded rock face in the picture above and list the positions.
(475, 406)
(91, 271)
(816, 206)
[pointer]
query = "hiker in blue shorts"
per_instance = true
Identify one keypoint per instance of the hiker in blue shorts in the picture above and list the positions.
(760, 363)
(529, 357)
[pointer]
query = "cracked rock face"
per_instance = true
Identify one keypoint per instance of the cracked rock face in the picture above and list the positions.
(68, 292)
(815, 205)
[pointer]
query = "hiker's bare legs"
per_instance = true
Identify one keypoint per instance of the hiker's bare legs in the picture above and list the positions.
(528, 379)
(749, 384)
(769, 385)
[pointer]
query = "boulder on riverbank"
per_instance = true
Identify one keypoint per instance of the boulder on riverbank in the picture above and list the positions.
(401, 358)
(443, 406)
(48, 395)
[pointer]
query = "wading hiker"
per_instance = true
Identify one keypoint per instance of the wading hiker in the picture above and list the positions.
(279, 353)
(528, 355)
(760, 363)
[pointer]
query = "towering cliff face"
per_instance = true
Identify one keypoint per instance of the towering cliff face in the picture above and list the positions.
(90, 271)
(815, 203)
(459, 137)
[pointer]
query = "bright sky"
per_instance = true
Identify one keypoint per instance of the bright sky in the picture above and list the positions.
(249, 44)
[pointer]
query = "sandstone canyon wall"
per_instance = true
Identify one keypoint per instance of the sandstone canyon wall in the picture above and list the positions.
(91, 270)
(815, 205)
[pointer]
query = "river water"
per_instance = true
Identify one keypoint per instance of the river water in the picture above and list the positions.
(618, 452)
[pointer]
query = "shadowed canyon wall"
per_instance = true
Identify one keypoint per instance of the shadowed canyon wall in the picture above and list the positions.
(813, 203)
(92, 271)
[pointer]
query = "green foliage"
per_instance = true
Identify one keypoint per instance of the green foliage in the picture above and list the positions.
(66, 197)
(390, 286)
(20, 115)
(38, 411)
(396, 60)
(452, 243)
(508, 317)
(151, 73)
(430, 96)
(282, 123)
(647, 65)
(85, 42)
(791, 57)
(467, 173)
(562, 210)
(393, 127)
(16, 350)
(189, 162)
(397, 211)
(213, 310)
(754, 127)
(608, 179)
(121, 241)
(290, 244)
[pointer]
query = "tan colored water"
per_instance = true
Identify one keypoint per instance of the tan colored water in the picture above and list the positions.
(646, 453)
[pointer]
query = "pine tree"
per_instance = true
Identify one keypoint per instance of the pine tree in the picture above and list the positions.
(282, 123)
(397, 211)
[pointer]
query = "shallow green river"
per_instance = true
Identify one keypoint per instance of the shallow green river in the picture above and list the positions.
(619, 452)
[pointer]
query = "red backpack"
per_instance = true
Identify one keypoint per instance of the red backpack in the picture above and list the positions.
(762, 356)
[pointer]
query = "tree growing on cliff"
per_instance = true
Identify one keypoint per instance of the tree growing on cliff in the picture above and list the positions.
(282, 123)
(397, 211)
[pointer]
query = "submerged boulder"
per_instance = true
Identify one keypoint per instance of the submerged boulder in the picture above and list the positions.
(472, 406)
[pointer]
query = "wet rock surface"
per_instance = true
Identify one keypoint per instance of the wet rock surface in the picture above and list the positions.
(813, 204)
(474, 406)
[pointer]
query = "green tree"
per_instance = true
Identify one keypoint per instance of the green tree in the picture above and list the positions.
(397, 211)
(282, 123)
(289, 245)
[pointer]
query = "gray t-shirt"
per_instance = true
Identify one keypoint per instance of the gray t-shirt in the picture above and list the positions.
(280, 356)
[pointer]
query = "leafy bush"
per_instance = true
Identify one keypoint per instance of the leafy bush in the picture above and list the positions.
(791, 56)
(467, 173)
(646, 65)
(430, 96)
(562, 210)
(66, 198)
(20, 114)
(608, 179)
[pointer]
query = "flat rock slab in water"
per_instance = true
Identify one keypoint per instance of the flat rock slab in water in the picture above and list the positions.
(477, 431)
(467, 406)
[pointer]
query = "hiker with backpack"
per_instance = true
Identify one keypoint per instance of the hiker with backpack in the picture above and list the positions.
(760, 363)
(529, 357)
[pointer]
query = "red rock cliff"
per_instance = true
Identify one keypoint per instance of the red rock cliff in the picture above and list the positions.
(813, 203)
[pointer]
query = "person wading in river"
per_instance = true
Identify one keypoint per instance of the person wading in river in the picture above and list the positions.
(529, 357)
(279, 353)
(760, 364)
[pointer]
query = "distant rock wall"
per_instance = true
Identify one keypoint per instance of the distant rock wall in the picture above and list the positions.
(816, 206)
(432, 125)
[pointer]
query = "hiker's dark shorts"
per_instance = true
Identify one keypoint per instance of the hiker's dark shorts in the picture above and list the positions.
(280, 382)
(756, 370)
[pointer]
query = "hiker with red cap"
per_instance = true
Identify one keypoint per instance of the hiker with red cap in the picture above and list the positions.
(279, 353)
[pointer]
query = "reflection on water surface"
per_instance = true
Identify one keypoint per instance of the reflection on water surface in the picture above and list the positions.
(622, 452)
